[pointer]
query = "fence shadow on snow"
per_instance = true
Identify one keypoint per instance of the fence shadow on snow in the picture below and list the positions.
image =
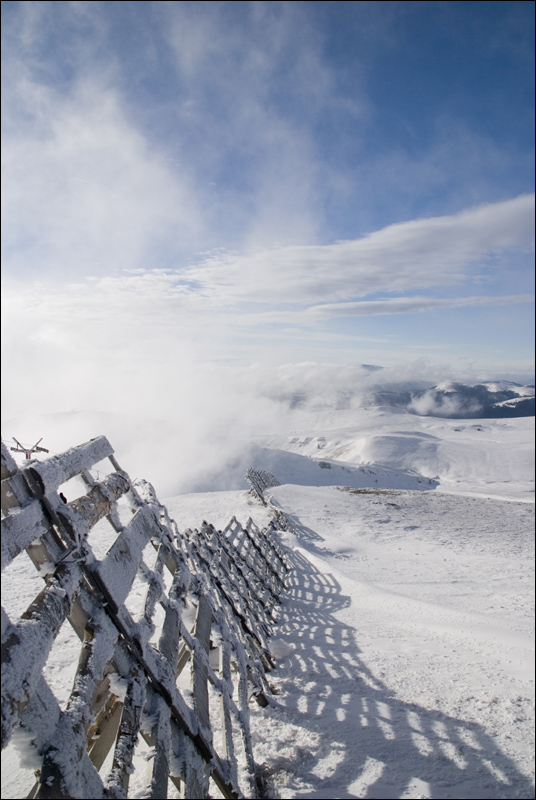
(348, 727)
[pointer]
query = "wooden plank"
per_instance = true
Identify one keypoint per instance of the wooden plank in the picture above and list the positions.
(117, 783)
(26, 649)
(9, 465)
(51, 473)
(199, 668)
(160, 739)
(251, 576)
(20, 529)
(156, 587)
(243, 584)
(118, 569)
(242, 615)
(196, 772)
(169, 642)
(243, 701)
(14, 492)
(67, 770)
(228, 752)
(104, 735)
(84, 512)
(41, 714)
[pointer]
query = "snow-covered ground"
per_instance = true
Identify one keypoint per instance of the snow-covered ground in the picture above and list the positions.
(404, 648)
(411, 622)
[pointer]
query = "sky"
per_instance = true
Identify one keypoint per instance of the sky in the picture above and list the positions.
(195, 190)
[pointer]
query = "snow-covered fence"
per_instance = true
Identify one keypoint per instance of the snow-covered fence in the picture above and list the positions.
(209, 600)
(259, 480)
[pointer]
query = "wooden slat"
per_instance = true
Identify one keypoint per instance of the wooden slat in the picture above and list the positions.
(119, 567)
(243, 701)
(14, 489)
(196, 772)
(83, 513)
(199, 668)
(117, 783)
(9, 465)
(159, 739)
(105, 734)
(20, 529)
(51, 473)
(227, 726)
(25, 651)
(170, 637)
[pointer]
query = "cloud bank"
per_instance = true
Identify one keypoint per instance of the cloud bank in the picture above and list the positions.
(420, 254)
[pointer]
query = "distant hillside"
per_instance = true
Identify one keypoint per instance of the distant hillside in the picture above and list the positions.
(487, 400)
(484, 401)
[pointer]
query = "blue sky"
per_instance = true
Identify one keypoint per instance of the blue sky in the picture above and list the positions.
(265, 182)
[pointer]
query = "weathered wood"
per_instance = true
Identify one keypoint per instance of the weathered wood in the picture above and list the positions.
(228, 752)
(234, 577)
(86, 511)
(51, 473)
(101, 741)
(199, 662)
(170, 637)
(20, 529)
(26, 648)
(243, 701)
(196, 773)
(121, 562)
(8, 463)
(14, 493)
(160, 740)
(117, 783)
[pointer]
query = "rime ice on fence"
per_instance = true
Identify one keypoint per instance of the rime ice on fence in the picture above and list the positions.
(131, 678)
(259, 480)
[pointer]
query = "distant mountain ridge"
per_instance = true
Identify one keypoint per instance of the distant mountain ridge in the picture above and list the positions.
(488, 400)
(451, 399)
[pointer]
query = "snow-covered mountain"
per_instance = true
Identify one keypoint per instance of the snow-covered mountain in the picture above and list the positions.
(486, 400)
(451, 400)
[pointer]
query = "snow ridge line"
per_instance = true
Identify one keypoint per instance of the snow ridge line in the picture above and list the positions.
(131, 679)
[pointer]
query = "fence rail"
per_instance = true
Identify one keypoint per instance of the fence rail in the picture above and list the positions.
(209, 603)
(259, 480)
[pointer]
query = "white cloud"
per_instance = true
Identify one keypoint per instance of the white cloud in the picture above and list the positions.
(254, 84)
(82, 192)
(423, 253)
(409, 305)
(92, 184)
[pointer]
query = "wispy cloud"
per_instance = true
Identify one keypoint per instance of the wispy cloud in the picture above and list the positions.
(85, 195)
(410, 305)
(203, 135)
(284, 285)
(189, 184)
(254, 84)
(423, 253)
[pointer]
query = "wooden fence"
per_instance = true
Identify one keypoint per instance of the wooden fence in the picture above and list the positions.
(259, 480)
(210, 602)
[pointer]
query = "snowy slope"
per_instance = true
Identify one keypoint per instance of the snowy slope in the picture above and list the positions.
(411, 623)
(404, 650)
(490, 457)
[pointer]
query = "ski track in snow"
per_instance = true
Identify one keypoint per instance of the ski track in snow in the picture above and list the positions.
(404, 647)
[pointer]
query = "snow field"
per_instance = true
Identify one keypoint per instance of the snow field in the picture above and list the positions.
(404, 649)
(411, 673)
